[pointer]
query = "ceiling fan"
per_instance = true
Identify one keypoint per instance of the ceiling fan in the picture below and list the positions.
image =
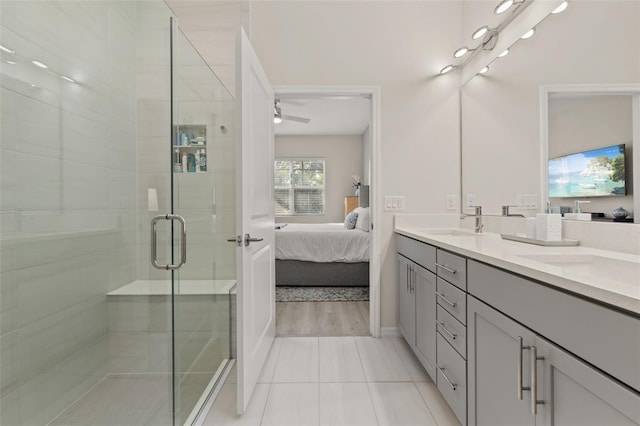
(278, 116)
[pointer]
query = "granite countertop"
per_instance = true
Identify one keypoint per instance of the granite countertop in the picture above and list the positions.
(608, 277)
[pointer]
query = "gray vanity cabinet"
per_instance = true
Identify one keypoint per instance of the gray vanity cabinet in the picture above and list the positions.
(425, 289)
(574, 393)
(568, 391)
(417, 300)
(494, 347)
(406, 301)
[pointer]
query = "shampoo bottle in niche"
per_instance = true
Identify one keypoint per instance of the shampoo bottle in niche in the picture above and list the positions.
(184, 139)
(191, 162)
(177, 166)
(197, 161)
(184, 162)
(203, 160)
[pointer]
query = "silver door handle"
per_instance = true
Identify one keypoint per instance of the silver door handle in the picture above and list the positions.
(443, 297)
(453, 385)
(453, 271)
(407, 283)
(521, 388)
(534, 380)
(154, 241)
(441, 324)
(248, 239)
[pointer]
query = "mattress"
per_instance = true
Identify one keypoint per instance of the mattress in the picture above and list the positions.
(322, 242)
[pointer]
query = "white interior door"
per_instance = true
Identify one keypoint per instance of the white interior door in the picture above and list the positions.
(255, 218)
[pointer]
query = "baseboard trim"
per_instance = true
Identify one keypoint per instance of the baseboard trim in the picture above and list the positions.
(389, 332)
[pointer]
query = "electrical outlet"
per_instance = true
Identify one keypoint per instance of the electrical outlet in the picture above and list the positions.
(394, 203)
(527, 201)
(451, 202)
(471, 200)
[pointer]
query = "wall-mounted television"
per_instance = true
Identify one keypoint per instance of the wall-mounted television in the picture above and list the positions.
(595, 173)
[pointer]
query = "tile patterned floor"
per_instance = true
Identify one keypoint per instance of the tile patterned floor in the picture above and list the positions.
(348, 381)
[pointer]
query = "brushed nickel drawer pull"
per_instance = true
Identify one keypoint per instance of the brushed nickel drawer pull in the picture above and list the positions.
(441, 324)
(534, 380)
(452, 271)
(453, 385)
(443, 297)
(521, 388)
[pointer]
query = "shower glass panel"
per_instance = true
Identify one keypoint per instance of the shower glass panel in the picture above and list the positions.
(90, 331)
(203, 193)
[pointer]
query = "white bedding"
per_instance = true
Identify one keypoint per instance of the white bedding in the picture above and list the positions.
(322, 242)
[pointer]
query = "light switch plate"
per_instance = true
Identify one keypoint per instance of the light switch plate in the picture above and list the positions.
(394, 203)
(527, 201)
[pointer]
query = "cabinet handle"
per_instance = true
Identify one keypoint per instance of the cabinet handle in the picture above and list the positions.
(521, 348)
(407, 278)
(443, 297)
(453, 271)
(412, 285)
(534, 380)
(441, 324)
(453, 385)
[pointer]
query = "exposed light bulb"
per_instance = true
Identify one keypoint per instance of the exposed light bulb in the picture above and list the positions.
(68, 79)
(504, 53)
(528, 34)
(560, 8)
(39, 64)
(277, 120)
(33, 85)
(460, 52)
(503, 6)
(11, 62)
(479, 32)
(446, 69)
(484, 70)
(6, 49)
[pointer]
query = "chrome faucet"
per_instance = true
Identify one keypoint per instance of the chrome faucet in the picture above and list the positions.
(478, 216)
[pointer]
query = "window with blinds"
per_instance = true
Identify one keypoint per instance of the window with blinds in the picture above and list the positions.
(299, 187)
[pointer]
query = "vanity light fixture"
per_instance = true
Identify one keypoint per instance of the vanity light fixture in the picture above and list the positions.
(461, 52)
(504, 53)
(6, 49)
(528, 34)
(447, 69)
(560, 8)
(70, 80)
(39, 64)
(505, 5)
(480, 32)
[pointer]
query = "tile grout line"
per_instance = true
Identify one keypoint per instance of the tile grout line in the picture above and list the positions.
(375, 413)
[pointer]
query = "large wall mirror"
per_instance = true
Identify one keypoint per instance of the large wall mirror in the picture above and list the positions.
(570, 89)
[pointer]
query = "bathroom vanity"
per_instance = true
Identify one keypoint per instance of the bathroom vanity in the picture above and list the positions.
(517, 334)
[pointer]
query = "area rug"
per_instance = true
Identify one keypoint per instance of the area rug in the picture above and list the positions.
(321, 294)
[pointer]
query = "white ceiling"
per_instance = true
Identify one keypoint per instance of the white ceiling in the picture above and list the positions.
(338, 115)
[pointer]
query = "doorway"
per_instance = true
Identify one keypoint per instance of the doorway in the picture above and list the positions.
(331, 295)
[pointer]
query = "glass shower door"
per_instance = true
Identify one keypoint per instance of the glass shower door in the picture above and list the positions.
(203, 193)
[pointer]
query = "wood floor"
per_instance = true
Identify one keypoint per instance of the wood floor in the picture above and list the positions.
(322, 318)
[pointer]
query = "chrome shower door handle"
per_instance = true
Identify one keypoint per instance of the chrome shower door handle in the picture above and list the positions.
(154, 241)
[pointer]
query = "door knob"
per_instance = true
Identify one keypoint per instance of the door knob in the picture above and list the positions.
(248, 239)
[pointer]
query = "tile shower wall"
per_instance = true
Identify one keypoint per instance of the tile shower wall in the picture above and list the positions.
(67, 210)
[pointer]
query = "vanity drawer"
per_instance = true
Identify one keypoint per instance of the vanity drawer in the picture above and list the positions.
(452, 330)
(452, 268)
(452, 378)
(452, 299)
(421, 253)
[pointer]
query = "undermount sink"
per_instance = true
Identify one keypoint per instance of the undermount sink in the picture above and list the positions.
(451, 232)
(590, 264)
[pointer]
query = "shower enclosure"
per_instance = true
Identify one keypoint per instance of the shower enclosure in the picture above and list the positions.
(111, 121)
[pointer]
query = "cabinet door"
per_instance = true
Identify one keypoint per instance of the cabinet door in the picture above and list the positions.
(406, 301)
(425, 295)
(574, 393)
(494, 350)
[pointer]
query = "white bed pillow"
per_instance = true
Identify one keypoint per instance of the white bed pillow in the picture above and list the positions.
(363, 219)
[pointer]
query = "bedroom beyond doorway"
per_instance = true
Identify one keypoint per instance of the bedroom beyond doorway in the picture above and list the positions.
(323, 144)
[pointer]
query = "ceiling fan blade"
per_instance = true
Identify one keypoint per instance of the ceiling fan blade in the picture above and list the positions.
(294, 118)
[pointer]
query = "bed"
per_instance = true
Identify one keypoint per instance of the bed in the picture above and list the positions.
(323, 254)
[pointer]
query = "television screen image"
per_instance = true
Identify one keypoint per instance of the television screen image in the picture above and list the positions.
(596, 173)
